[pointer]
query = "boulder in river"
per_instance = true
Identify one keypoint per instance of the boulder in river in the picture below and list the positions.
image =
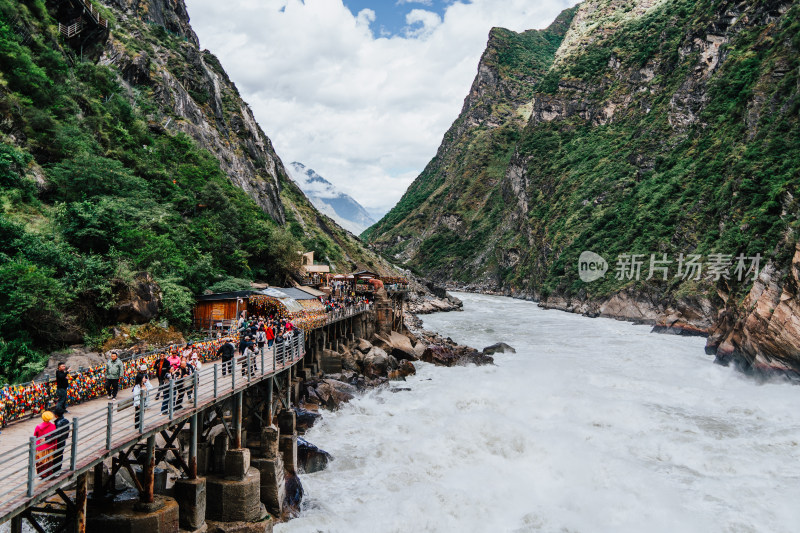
(499, 347)
(294, 495)
(440, 354)
(311, 458)
(305, 418)
(406, 368)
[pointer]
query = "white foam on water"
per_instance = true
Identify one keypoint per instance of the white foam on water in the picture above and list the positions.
(594, 425)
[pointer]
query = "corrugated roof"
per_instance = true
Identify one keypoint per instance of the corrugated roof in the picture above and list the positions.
(297, 294)
(224, 296)
(310, 290)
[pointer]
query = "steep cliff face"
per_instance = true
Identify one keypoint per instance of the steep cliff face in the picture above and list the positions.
(155, 49)
(659, 127)
(132, 176)
(448, 213)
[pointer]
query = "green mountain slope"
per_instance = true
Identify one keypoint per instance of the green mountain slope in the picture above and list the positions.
(128, 150)
(661, 127)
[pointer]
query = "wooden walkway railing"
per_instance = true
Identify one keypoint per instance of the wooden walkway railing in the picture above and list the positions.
(91, 438)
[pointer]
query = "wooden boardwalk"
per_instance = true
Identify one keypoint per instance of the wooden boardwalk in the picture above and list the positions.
(100, 429)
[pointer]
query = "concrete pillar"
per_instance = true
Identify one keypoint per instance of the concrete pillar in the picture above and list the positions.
(273, 483)
(237, 496)
(221, 445)
(237, 463)
(191, 497)
(269, 442)
(287, 444)
(131, 516)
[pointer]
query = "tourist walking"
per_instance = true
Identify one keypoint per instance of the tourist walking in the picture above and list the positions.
(183, 371)
(114, 371)
(61, 433)
(62, 384)
(44, 446)
(161, 368)
(261, 338)
(226, 352)
(142, 383)
(165, 391)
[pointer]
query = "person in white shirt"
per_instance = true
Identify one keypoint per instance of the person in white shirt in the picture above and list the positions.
(142, 383)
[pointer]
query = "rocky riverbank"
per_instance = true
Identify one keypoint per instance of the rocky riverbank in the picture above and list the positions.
(760, 334)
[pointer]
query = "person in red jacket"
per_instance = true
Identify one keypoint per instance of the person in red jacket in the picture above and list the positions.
(270, 335)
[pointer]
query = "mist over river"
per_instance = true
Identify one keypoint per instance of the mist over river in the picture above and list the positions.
(593, 425)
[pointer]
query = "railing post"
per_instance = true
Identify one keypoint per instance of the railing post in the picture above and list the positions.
(73, 453)
(216, 369)
(262, 360)
(171, 399)
(109, 423)
(233, 373)
(31, 465)
(142, 408)
(193, 448)
(196, 384)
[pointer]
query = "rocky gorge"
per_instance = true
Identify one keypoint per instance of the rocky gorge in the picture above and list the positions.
(660, 128)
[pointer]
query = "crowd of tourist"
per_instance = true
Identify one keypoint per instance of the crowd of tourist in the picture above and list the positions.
(255, 333)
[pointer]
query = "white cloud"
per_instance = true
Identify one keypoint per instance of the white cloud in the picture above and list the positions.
(367, 112)
(422, 23)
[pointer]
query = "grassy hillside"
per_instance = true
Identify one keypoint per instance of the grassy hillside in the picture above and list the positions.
(127, 155)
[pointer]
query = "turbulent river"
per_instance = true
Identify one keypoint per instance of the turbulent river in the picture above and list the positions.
(593, 425)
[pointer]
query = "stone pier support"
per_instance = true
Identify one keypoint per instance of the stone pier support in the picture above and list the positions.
(236, 497)
(191, 497)
(287, 423)
(160, 516)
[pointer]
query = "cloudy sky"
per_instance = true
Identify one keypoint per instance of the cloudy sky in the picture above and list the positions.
(360, 91)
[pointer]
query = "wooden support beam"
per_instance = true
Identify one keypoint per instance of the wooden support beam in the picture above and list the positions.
(237, 420)
(33, 522)
(70, 505)
(149, 471)
(123, 459)
(81, 490)
(193, 448)
(220, 415)
(271, 384)
(99, 487)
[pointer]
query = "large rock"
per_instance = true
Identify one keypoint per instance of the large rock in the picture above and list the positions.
(376, 363)
(439, 354)
(138, 302)
(363, 345)
(310, 458)
(332, 393)
(406, 369)
(446, 355)
(402, 347)
(305, 418)
(294, 495)
(499, 347)
(763, 333)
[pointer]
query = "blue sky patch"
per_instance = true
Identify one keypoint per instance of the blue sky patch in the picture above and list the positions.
(390, 15)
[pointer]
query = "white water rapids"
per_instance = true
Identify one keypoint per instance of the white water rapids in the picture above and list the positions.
(594, 425)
